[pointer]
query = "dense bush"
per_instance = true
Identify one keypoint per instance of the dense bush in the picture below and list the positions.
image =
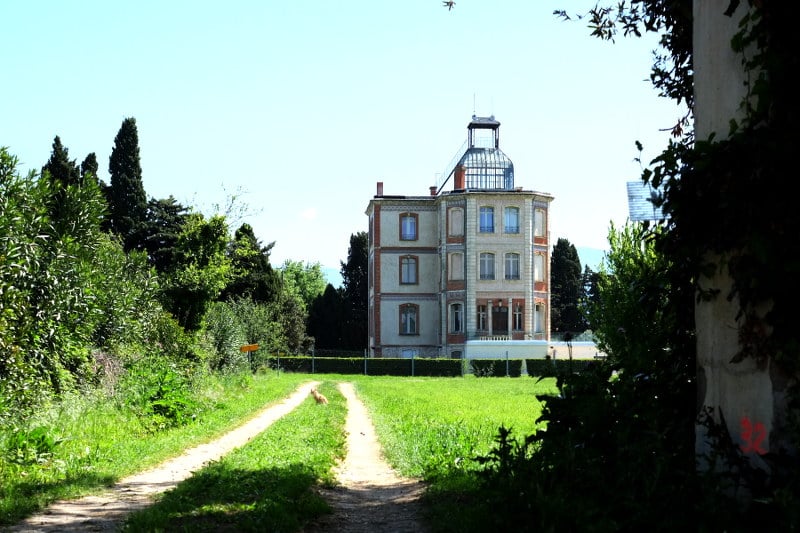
(496, 367)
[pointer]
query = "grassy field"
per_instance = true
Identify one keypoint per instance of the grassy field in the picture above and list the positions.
(432, 428)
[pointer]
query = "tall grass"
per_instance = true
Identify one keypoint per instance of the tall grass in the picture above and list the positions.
(84, 443)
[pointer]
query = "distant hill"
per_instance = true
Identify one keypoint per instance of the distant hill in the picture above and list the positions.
(591, 257)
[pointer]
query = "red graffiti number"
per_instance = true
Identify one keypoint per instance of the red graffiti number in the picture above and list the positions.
(753, 436)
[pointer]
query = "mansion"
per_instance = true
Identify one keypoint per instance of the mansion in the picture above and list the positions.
(461, 272)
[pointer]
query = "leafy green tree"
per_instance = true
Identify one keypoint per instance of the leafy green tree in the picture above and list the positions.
(302, 281)
(355, 284)
(127, 197)
(566, 289)
(253, 275)
(203, 270)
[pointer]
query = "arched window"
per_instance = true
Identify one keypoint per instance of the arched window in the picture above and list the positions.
(409, 319)
(511, 220)
(512, 266)
(408, 226)
(409, 270)
(486, 266)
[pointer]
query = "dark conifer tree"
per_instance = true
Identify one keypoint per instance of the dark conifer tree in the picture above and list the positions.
(254, 276)
(354, 278)
(566, 289)
(128, 201)
(160, 233)
(60, 170)
(90, 167)
(326, 318)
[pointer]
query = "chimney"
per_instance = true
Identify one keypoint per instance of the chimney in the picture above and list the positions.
(380, 189)
(433, 190)
(460, 172)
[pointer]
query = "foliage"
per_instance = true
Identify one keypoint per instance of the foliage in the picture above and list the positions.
(326, 318)
(127, 198)
(253, 276)
(566, 290)
(31, 446)
(303, 282)
(483, 368)
(203, 270)
(160, 393)
(161, 231)
(354, 280)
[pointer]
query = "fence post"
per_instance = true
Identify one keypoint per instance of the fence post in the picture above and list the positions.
(312, 360)
(506, 363)
(412, 364)
(365, 361)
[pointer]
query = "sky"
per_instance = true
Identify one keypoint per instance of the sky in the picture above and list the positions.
(286, 114)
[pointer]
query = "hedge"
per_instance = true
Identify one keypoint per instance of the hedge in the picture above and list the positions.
(377, 366)
(496, 367)
(554, 367)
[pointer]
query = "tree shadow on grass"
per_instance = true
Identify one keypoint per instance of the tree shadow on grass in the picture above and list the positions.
(219, 498)
(29, 497)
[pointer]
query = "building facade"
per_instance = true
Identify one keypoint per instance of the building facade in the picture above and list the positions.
(463, 272)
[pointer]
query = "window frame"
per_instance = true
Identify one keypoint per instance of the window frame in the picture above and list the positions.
(403, 319)
(401, 233)
(518, 317)
(451, 268)
(489, 262)
(488, 226)
(414, 272)
(510, 266)
(539, 222)
(455, 222)
(538, 267)
(456, 318)
(507, 228)
(482, 317)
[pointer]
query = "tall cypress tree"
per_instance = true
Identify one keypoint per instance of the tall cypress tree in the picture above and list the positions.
(90, 167)
(566, 289)
(127, 198)
(61, 171)
(354, 278)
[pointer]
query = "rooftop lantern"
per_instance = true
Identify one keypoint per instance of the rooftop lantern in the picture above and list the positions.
(484, 166)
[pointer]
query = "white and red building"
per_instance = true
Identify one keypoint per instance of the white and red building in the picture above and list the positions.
(463, 272)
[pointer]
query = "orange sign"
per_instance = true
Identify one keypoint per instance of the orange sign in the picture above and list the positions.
(249, 348)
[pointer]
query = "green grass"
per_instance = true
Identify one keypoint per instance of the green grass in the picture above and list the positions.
(266, 485)
(431, 428)
(98, 442)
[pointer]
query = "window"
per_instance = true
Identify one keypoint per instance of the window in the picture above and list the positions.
(482, 317)
(456, 270)
(538, 267)
(486, 222)
(409, 319)
(456, 221)
(538, 222)
(409, 353)
(538, 319)
(487, 265)
(519, 318)
(456, 318)
(512, 266)
(511, 222)
(408, 227)
(408, 270)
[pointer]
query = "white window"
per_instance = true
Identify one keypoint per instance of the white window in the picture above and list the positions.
(408, 227)
(538, 222)
(511, 220)
(456, 221)
(456, 270)
(486, 265)
(486, 221)
(409, 319)
(512, 266)
(519, 318)
(408, 270)
(538, 318)
(456, 318)
(538, 267)
(482, 318)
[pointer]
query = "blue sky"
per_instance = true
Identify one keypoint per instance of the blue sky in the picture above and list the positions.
(298, 108)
